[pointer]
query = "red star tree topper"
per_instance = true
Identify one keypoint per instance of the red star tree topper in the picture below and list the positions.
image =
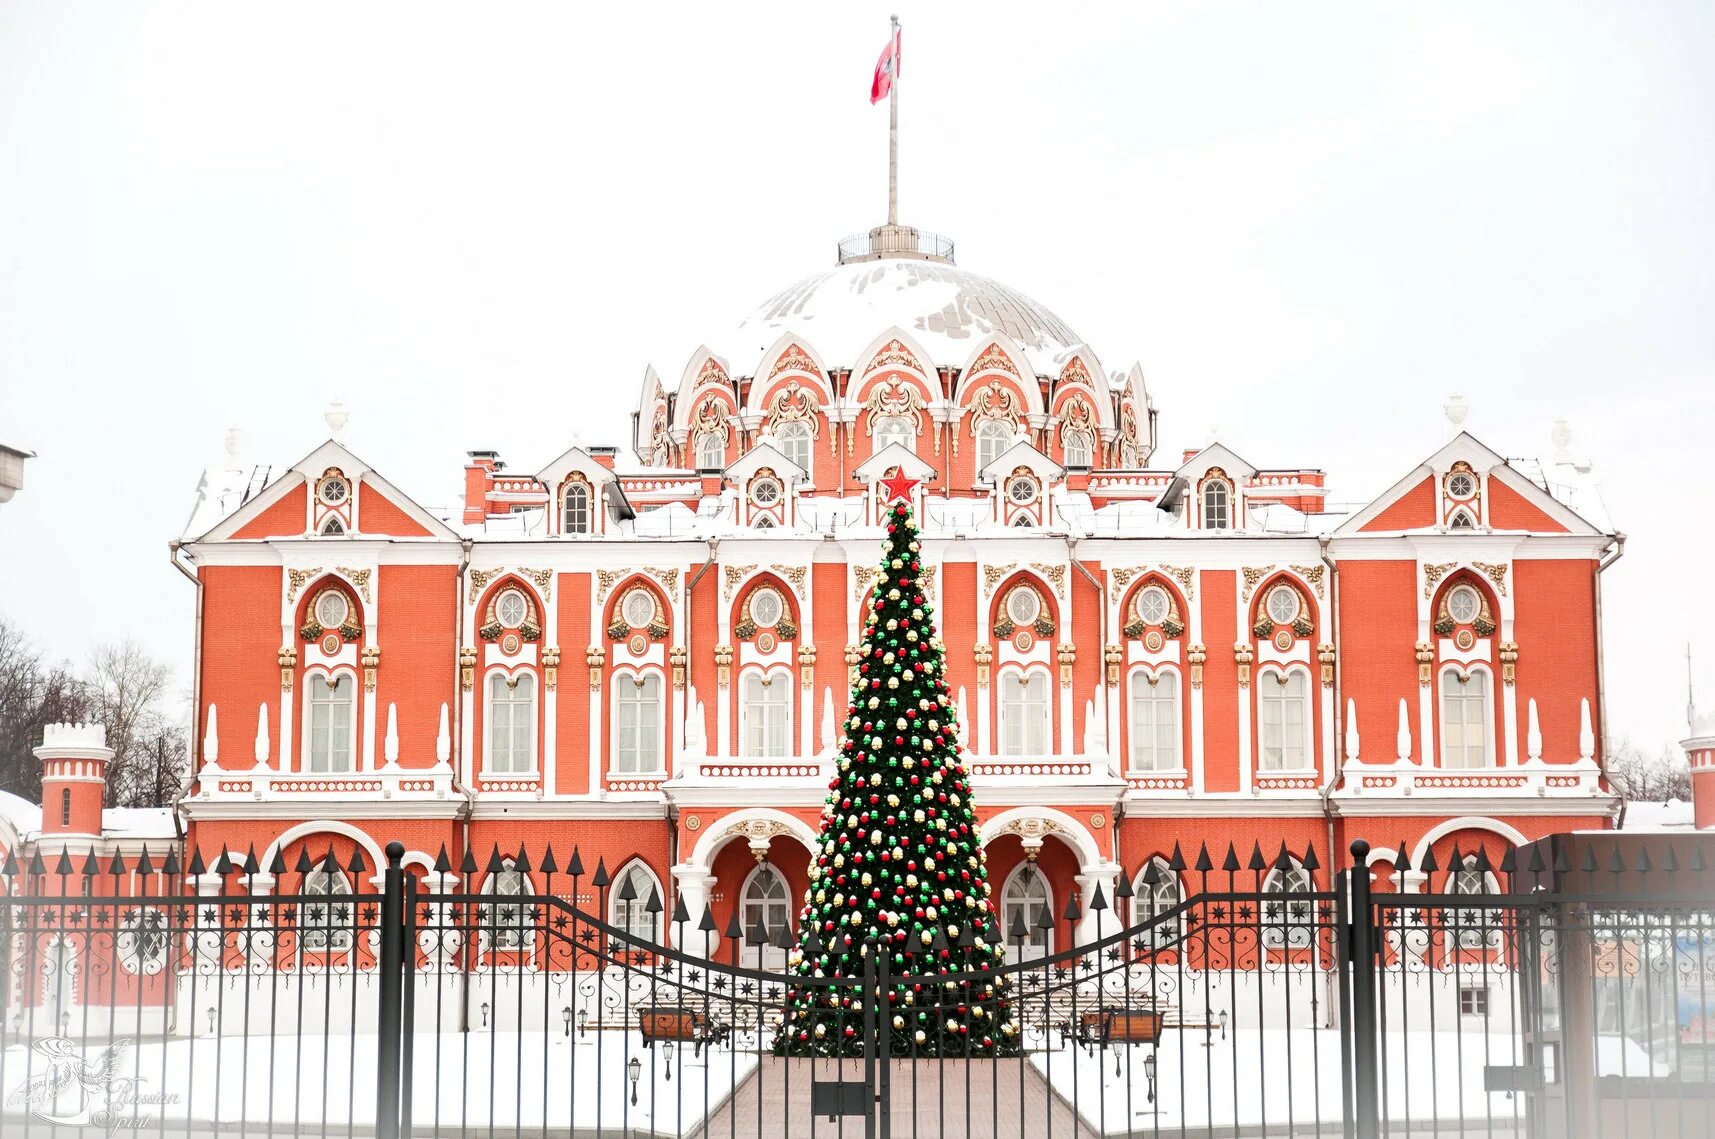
(899, 486)
(899, 870)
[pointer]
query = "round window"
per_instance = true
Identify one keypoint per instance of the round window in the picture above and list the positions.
(332, 609)
(765, 492)
(1021, 489)
(334, 490)
(638, 608)
(510, 609)
(1463, 604)
(1283, 605)
(1461, 485)
(766, 608)
(1152, 605)
(1023, 606)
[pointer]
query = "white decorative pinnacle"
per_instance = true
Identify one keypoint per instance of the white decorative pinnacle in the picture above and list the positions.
(390, 744)
(211, 741)
(336, 417)
(443, 741)
(1456, 409)
(263, 750)
(1533, 734)
(1403, 740)
(696, 736)
(1352, 740)
(1586, 735)
(74, 735)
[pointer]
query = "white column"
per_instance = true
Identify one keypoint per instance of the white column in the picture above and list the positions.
(550, 698)
(692, 884)
(1106, 875)
(1247, 701)
(1426, 718)
(1509, 718)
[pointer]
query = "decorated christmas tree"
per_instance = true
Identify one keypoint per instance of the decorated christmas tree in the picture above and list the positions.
(899, 865)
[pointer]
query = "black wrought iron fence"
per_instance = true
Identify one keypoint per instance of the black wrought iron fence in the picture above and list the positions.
(323, 996)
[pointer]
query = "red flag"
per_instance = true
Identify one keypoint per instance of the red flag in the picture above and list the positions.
(886, 71)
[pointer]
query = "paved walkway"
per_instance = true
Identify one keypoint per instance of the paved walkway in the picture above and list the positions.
(928, 1099)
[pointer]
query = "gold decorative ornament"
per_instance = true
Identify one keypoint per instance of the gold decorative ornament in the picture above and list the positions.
(1326, 654)
(1253, 578)
(854, 655)
(793, 574)
(723, 665)
(1098, 822)
(1425, 662)
(605, 580)
(467, 667)
(357, 577)
(678, 657)
(1496, 573)
(1243, 655)
(1055, 574)
(985, 657)
(297, 579)
(1311, 574)
(595, 656)
(1196, 655)
(1509, 661)
(550, 667)
(479, 580)
(864, 577)
(544, 579)
(807, 665)
(371, 660)
(1067, 653)
(693, 823)
(994, 575)
(1432, 575)
(1114, 655)
(734, 575)
(287, 658)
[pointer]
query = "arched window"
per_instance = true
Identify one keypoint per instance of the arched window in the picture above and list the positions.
(1156, 893)
(1217, 505)
(1289, 922)
(767, 712)
(794, 440)
(631, 913)
(901, 429)
(1285, 699)
(1024, 713)
(1465, 719)
(1461, 521)
(711, 451)
(325, 917)
(1154, 721)
(333, 526)
(994, 436)
(765, 899)
(1477, 928)
(763, 522)
(1078, 447)
(637, 723)
(504, 923)
(1026, 898)
(331, 730)
(511, 724)
(577, 509)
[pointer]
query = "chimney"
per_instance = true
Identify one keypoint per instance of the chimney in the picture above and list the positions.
(74, 760)
(604, 455)
(478, 476)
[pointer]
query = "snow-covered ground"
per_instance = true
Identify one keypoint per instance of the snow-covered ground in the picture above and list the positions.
(1281, 1077)
(473, 1078)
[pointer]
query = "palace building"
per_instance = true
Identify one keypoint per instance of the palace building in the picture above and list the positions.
(642, 649)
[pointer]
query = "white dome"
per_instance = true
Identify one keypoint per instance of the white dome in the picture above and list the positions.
(945, 309)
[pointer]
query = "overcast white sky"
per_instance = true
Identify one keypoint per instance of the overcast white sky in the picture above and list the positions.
(1310, 222)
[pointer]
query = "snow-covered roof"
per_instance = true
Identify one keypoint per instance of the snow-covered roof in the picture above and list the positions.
(139, 823)
(1673, 815)
(947, 310)
(19, 813)
(1572, 485)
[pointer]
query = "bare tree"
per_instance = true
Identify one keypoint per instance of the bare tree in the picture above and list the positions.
(1644, 776)
(33, 693)
(128, 692)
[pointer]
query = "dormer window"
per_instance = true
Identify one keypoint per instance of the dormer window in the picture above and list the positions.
(1217, 506)
(901, 429)
(793, 439)
(577, 509)
(1461, 485)
(994, 436)
(711, 451)
(1021, 489)
(334, 490)
(1078, 448)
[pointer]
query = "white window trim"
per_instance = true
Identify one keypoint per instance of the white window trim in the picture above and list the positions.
(589, 507)
(630, 676)
(1143, 907)
(772, 957)
(326, 955)
(1203, 508)
(1027, 952)
(881, 434)
(1270, 674)
(799, 430)
(318, 674)
(1287, 929)
(1000, 437)
(777, 674)
(1029, 673)
(697, 450)
(1168, 675)
(614, 905)
(535, 766)
(1488, 763)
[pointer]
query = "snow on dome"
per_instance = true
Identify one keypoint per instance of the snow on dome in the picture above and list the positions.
(945, 309)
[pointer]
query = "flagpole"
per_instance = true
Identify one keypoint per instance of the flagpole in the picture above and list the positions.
(893, 133)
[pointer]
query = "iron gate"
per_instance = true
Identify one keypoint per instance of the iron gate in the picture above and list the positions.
(1539, 996)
